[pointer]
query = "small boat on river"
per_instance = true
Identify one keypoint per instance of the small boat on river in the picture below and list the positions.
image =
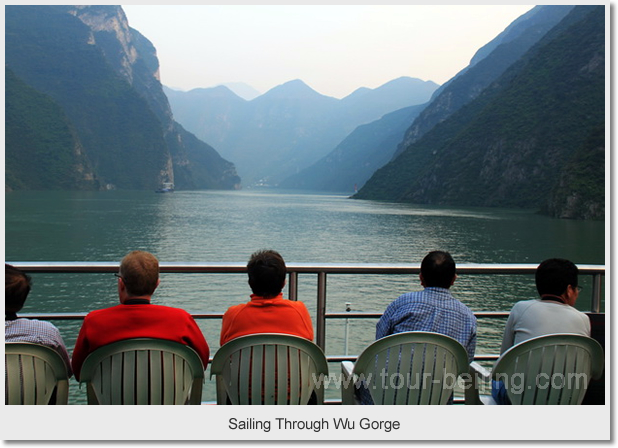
(167, 187)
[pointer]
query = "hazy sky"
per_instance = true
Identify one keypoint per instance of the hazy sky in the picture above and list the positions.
(335, 49)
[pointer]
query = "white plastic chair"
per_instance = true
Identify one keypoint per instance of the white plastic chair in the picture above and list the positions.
(32, 373)
(551, 369)
(409, 368)
(143, 371)
(269, 368)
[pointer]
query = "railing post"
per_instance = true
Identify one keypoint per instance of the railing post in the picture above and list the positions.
(320, 338)
(597, 283)
(293, 286)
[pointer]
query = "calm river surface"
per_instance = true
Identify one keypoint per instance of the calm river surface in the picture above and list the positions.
(227, 226)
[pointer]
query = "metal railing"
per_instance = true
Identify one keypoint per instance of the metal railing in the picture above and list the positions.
(322, 270)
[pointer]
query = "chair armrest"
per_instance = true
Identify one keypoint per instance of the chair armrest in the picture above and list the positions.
(471, 387)
(347, 382)
(346, 369)
(479, 371)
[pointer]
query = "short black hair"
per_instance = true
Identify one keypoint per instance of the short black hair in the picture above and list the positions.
(438, 269)
(267, 272)
(17, 286)
(554, 275)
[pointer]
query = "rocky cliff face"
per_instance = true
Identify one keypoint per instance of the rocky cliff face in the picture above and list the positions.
(110, 32)
(105, 76)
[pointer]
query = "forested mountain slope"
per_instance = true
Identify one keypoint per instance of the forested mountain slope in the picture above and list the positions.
(516, 142)
(103, 78)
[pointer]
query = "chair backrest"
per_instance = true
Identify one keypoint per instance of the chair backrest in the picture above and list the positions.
(269, 369)
(551, 369)
(143, 371)
(32, 373)
(411, 368)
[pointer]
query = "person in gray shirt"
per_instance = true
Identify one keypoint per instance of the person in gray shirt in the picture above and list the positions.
(553, 312)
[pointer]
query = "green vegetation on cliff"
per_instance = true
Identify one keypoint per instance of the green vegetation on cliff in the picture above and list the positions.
(41, 148)
(102, 78)
(509, 146)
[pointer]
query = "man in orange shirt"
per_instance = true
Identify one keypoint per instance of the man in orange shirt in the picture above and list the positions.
(136, 316)
(267, 311)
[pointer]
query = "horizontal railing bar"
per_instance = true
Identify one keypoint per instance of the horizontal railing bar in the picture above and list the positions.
(309, 268)
(53, 316)
(477, 357)
(353, 315)
(77, 316)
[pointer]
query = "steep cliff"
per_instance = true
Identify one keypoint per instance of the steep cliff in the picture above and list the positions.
(104, 76)
(358, 156)
(36, 129)
(511, 145)
(489, 62)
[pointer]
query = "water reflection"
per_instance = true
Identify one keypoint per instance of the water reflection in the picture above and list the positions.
(225, 226)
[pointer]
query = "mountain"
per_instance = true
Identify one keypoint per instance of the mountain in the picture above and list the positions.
(245, 91)
(102, 77)
(289, 127)
(36, 128)
(514, 144)
(489, 62)
(358, 156)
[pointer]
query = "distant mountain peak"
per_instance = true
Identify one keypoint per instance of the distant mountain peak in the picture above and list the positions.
(397, 86)
(295, 89)
(245, 91)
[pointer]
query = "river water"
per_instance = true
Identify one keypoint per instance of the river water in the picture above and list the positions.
(227, 226)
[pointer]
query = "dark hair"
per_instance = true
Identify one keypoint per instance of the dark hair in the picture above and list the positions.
(140, 273)
(554, 275)
(267, 272)
(17, 287)
(438, 269)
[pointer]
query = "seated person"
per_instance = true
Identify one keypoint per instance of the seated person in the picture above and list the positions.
(433, 309)
(17, 287)
(267, 311)
(553, 312)
(136, 316)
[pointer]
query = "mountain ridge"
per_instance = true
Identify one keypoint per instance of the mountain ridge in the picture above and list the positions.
(101, 72)
(289, 127)
(509, 146)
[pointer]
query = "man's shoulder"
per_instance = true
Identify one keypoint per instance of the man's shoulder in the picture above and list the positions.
(166, 309)
(293, 303)
(408, 297)
(31, 330)
(31, 323)
(234, 310)
(523, 305)
(150, 308)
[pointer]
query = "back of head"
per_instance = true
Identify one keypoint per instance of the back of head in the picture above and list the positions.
(140, 273)
(267, 272)
(554, 275)
(438, 269)
(17, 288)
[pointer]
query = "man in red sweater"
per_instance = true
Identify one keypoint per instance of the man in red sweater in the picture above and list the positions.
(136, 317)
(268, 311)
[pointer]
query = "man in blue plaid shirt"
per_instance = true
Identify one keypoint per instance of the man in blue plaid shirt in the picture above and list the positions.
(433, 309)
